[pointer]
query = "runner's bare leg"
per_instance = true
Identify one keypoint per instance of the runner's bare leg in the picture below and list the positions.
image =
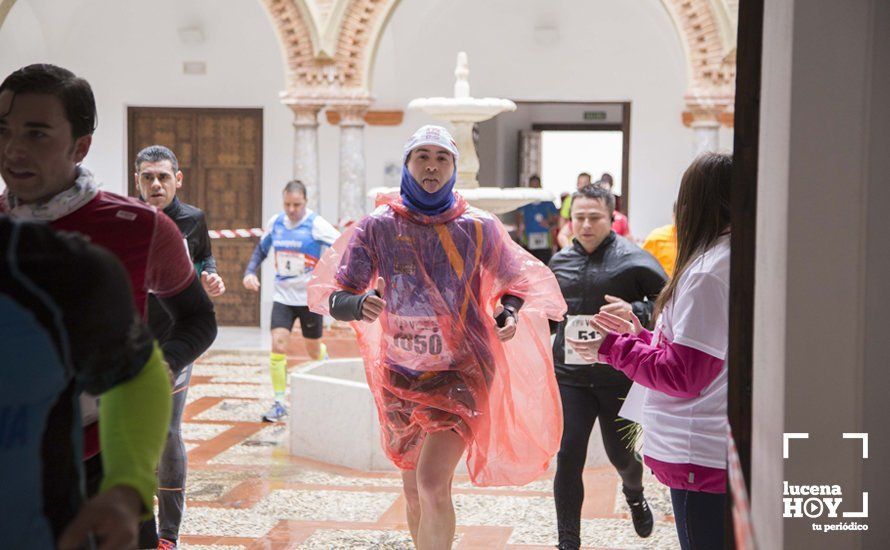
(435, 471)
(412, 498)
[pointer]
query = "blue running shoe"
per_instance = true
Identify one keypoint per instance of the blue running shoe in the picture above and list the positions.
(276, 413)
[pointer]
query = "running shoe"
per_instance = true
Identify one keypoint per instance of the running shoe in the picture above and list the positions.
(165, 544)
(641, 516)
(276, 413)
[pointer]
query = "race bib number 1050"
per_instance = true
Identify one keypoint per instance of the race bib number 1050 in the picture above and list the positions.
(417, 343)
(578, 327)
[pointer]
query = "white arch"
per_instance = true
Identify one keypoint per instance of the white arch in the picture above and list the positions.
(690, 33)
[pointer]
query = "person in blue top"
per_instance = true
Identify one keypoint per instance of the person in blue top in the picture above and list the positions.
(298, 236)
(536, 222)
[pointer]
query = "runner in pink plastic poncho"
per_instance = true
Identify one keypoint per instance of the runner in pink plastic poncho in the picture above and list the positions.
(453, 362)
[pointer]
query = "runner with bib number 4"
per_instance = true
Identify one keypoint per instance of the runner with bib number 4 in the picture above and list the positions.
(298, 237)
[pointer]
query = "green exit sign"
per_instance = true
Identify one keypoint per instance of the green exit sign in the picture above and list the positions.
(594, 115)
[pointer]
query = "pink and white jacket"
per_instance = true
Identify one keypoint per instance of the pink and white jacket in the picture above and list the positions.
(681, 372)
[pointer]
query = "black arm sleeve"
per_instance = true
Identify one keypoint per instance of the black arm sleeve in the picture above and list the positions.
(651, 279)
(194, 325)
(346, 306)
(204, 252)
(512, 305)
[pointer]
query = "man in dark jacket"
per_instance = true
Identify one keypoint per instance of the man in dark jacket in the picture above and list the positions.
(597, 271)
(157, 178)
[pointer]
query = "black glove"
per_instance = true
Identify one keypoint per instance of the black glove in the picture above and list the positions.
(512, 305)
(346, 306)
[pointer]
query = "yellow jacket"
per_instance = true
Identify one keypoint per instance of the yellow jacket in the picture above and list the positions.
(662, 243)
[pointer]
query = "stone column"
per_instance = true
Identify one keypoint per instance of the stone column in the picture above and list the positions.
(468, 167)
(705, 113)
(352, 160)
(707, 136)
(306, 147)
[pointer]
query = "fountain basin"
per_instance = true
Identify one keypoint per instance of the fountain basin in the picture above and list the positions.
(333, 419)
(462, 109)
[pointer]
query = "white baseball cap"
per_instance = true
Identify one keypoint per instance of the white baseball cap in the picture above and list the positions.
(431, 135)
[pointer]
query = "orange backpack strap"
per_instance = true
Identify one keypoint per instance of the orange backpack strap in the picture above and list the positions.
(457, 261)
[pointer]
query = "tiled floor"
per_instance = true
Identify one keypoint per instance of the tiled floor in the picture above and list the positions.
(245, 491)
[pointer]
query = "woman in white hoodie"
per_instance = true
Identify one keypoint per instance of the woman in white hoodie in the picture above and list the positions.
(681, 367)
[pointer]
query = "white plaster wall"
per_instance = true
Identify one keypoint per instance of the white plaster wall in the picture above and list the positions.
(132, 56)
(602, 51)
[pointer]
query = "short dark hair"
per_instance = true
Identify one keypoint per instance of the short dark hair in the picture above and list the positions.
(296, 186)
(156, 153)
(585, 174)
(607, 177)
(534, 177)
(597, 193)
(74, 93)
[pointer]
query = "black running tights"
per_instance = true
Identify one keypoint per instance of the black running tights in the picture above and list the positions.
(581, 406)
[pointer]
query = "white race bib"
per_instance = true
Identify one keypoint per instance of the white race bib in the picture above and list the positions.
(417, 343)
(538, 241)
(290, 264)
(578, 327)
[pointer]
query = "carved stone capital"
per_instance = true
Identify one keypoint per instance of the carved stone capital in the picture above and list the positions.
(708, 109)
(351, 110)
(305, 109)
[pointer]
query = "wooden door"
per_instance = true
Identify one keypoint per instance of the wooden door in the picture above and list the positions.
(220, 153)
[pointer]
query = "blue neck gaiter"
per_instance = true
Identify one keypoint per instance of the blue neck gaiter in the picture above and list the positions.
(416, 198)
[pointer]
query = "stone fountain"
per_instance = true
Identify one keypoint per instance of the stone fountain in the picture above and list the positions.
(463, 111)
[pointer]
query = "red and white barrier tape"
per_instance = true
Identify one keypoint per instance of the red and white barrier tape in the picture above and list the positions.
(235, 233)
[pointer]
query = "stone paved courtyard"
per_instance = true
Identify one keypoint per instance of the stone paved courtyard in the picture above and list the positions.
(245, 491)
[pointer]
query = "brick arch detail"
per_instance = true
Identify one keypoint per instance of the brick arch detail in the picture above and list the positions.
(330, 47)
(298, 35)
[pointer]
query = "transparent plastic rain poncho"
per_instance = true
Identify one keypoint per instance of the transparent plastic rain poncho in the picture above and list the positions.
(433, 360)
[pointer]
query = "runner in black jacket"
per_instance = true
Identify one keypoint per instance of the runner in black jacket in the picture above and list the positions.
(157, 178)
(600, 270)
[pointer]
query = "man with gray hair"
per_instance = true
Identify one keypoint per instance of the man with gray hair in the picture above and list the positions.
(297, 237)
(157, 178)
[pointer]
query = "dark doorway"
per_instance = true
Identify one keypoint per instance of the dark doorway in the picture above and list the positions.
(220, 152)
